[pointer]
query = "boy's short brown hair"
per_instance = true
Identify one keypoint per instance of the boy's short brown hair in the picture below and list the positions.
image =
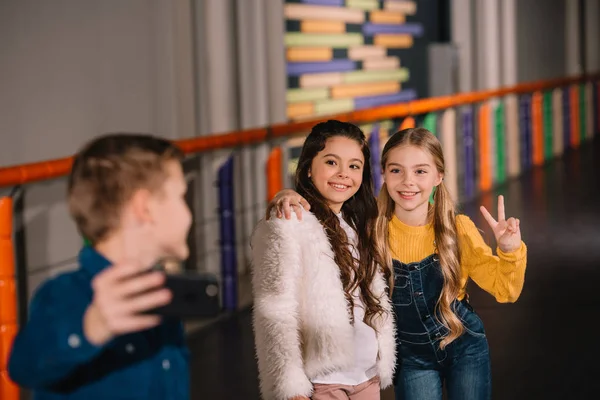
(107, 171)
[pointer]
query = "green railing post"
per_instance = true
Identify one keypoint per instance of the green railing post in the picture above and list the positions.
(500, 134)
(430, 123)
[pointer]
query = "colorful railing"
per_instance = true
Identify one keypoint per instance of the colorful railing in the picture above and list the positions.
(488, 137)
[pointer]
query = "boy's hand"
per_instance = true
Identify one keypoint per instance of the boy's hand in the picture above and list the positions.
(121, 294)
(285, 201)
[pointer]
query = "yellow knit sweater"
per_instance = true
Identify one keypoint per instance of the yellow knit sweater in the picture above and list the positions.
(502, 276)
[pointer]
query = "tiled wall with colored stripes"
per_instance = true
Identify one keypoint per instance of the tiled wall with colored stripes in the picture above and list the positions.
(345, 55)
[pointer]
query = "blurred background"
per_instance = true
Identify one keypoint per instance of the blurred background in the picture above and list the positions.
(510, 88)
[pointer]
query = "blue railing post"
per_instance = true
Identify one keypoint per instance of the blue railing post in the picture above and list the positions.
(469, 152)
(227, 236)
(374, 145)
(525, 129)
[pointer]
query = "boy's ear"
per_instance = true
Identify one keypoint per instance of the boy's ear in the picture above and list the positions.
(140, 205)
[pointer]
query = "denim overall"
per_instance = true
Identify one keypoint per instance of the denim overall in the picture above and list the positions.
(423, 368)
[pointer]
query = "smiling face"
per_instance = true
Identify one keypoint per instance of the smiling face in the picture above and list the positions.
(410, 175)
(337, 171)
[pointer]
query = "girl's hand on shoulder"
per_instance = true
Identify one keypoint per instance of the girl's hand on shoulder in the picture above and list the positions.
(285, 202)
(300, 398)
(506, 231)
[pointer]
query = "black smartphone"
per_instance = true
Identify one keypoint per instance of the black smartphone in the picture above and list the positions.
(195, 295)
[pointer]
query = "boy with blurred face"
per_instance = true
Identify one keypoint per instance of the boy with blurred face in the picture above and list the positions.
(89, 335)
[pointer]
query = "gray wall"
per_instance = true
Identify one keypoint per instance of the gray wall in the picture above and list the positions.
(72, 69)
(540, 39)
(545, 34)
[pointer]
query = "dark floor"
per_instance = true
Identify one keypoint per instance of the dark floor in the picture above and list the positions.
(545, 346)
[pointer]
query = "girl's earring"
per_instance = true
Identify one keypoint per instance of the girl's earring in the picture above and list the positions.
(431, 197)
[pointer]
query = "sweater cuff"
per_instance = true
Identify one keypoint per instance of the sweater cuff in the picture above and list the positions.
(514, 256)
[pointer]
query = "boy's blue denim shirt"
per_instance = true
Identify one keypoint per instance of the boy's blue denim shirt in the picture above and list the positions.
(52, 356)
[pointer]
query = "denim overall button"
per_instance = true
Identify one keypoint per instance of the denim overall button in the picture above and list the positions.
(426, 317)
(418, 293)
(412, 267)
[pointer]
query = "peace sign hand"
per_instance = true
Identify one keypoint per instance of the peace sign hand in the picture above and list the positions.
(507, 232)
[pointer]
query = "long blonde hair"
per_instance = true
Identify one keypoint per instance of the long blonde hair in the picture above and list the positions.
(443, 217)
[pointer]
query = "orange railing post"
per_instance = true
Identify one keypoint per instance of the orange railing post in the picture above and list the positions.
(409, 122)
(573, 92)
(8, 298)
(485, 169)
(537, 128)
(274, 173)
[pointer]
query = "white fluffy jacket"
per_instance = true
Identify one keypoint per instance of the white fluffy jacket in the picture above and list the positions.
(301, 323)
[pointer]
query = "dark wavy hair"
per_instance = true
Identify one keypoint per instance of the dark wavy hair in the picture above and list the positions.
(360, 212)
